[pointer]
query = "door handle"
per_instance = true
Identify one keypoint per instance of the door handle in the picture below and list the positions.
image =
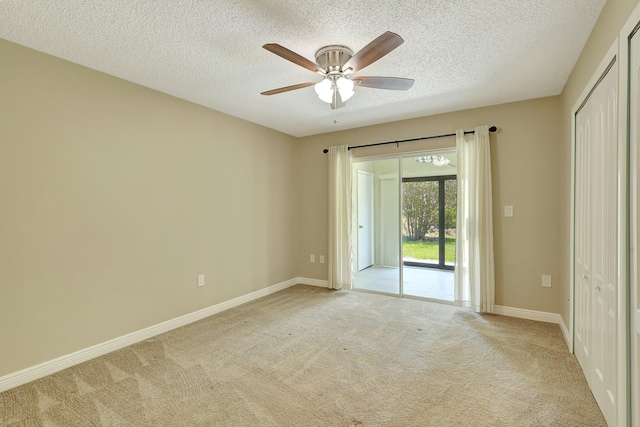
(585, 277)
(598, 288)
(361, 226)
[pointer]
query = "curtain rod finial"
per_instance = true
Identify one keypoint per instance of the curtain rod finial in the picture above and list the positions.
(493, 129)
(325, 151)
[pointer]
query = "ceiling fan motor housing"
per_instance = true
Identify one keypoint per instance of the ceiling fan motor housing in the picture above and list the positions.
(332, 58)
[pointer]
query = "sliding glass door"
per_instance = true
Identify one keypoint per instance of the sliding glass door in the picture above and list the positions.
(429, 205)
(404, 225)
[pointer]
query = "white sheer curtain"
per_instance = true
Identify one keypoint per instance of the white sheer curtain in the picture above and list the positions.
(474, 278)
(340, 248)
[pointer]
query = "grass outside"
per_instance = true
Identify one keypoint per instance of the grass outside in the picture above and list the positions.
(429, 249)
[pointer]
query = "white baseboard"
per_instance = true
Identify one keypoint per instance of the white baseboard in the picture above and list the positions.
(52, 366)
(521, 313)
(313, 282)
(567, 336)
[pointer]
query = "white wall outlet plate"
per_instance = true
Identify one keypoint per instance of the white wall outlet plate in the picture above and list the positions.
(321, 259)
(200, 280)
(546, 281)
(508, 211)
(312, 258)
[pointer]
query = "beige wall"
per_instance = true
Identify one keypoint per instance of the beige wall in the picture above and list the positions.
(115, 197)
(613, 16)
(526, 172)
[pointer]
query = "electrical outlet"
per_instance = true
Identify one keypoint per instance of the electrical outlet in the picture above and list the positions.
(200, 280)
(508, 211)
(321, 259)
(312, 258)
(546, 281)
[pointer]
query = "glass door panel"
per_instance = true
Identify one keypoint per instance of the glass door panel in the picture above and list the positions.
(429, 226)
(420, 217)
(376, 228)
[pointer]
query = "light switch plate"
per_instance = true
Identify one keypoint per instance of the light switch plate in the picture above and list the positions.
(546, 281)
(508, 211)
(200, 280)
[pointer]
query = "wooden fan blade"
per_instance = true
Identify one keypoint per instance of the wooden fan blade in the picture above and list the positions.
(287, 88)
(290, 55)
(374, 51)
(389, 83)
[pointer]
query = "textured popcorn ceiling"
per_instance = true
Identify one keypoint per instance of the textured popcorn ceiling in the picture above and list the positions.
(462, 53)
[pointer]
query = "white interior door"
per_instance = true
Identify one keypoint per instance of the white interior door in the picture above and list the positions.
(595, 262)
(634, 189)
(365, 219)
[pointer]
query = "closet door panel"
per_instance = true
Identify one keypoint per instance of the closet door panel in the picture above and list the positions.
(604, 208)
(595, 222)
(582, 248)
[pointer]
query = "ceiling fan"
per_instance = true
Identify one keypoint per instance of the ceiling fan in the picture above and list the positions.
(335, 63)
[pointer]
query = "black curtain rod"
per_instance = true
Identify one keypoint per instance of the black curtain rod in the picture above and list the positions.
(491, 129)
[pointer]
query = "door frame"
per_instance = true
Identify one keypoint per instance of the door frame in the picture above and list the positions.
(625, 163)
(617, 52)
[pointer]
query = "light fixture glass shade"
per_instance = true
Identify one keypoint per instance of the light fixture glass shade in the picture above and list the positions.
(345, 87)
(434, 160)
(324, 89)
(440, 161)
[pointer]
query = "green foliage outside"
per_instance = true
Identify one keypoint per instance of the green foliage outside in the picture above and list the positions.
(450, 217)
(420, 219)
(428, 249)
(420, 208)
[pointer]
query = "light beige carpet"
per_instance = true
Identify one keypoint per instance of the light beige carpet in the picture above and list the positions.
(312, 357)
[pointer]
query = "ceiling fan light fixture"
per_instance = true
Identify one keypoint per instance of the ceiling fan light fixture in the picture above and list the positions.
(436, 160)
(335, 62)
(345, 87)
(440, 161)
(324, 89)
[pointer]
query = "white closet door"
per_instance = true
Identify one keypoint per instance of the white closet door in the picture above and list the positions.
(582, 251)
(596, 243)
(634, 203)
(604, 248)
